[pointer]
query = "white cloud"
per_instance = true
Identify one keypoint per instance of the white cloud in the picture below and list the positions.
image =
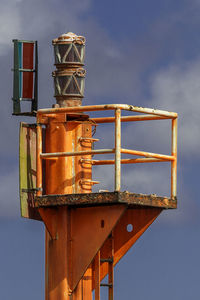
(10, 24)
(27, 19)
(137, 178)
(177, 88)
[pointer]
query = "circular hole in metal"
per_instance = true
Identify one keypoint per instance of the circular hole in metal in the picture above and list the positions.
(102, 223)
(129, 227)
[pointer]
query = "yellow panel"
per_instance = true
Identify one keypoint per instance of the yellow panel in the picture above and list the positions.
(27, 170)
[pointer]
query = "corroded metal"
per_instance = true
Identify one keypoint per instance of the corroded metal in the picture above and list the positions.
(77, 153)
(69, 84)
(69, 78)
(109, 107)
(124, 161)
(130, 118)
(105, 198)
(148, 154)
(69, 49)
(152, 114)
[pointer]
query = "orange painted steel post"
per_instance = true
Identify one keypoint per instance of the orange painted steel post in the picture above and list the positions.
(174, 162)
(117, 149)
(97, 275)
(39, 160)
(57, 286)
(63, 176)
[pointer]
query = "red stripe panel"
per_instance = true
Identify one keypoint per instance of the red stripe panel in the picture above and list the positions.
(28, 49)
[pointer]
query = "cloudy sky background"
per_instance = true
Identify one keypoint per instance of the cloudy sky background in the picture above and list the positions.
(138, 52)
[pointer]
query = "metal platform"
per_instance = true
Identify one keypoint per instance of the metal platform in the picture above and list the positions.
(106, 198)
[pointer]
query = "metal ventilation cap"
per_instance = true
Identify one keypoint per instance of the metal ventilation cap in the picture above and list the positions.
(69, 37)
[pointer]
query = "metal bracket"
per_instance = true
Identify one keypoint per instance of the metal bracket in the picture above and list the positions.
(31, 190)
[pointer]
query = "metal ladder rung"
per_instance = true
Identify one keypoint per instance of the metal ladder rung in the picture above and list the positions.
(87, 161)
(108, 260)
(88, 182)
(87, 139)
(106, 284)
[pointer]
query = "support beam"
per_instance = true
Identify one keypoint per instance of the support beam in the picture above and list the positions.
(97, 278)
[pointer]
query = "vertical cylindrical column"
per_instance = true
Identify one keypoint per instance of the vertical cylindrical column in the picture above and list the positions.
(58, 181)
(64, 176)
(59, 171)
(174, 162)
(67, 175)
(69, 78)
(117, 149)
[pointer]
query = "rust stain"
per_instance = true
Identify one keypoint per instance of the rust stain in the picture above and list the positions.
(103, 198)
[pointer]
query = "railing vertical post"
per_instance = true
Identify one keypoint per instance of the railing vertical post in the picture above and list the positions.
(117, 149)
(39, 160)
(174, 162)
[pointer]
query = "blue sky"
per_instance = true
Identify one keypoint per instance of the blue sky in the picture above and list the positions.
(142, 53)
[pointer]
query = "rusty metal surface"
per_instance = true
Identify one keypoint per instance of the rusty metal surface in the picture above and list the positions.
(147, 156)
(109, 107)
(69, 77)
(104, 198)
(78, 153)
(65, 136)
(129, 118)
(80, 222)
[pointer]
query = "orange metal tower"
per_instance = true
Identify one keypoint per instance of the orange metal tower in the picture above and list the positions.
(86, 233)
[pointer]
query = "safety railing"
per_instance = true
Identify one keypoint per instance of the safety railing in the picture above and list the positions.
(144, 157)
